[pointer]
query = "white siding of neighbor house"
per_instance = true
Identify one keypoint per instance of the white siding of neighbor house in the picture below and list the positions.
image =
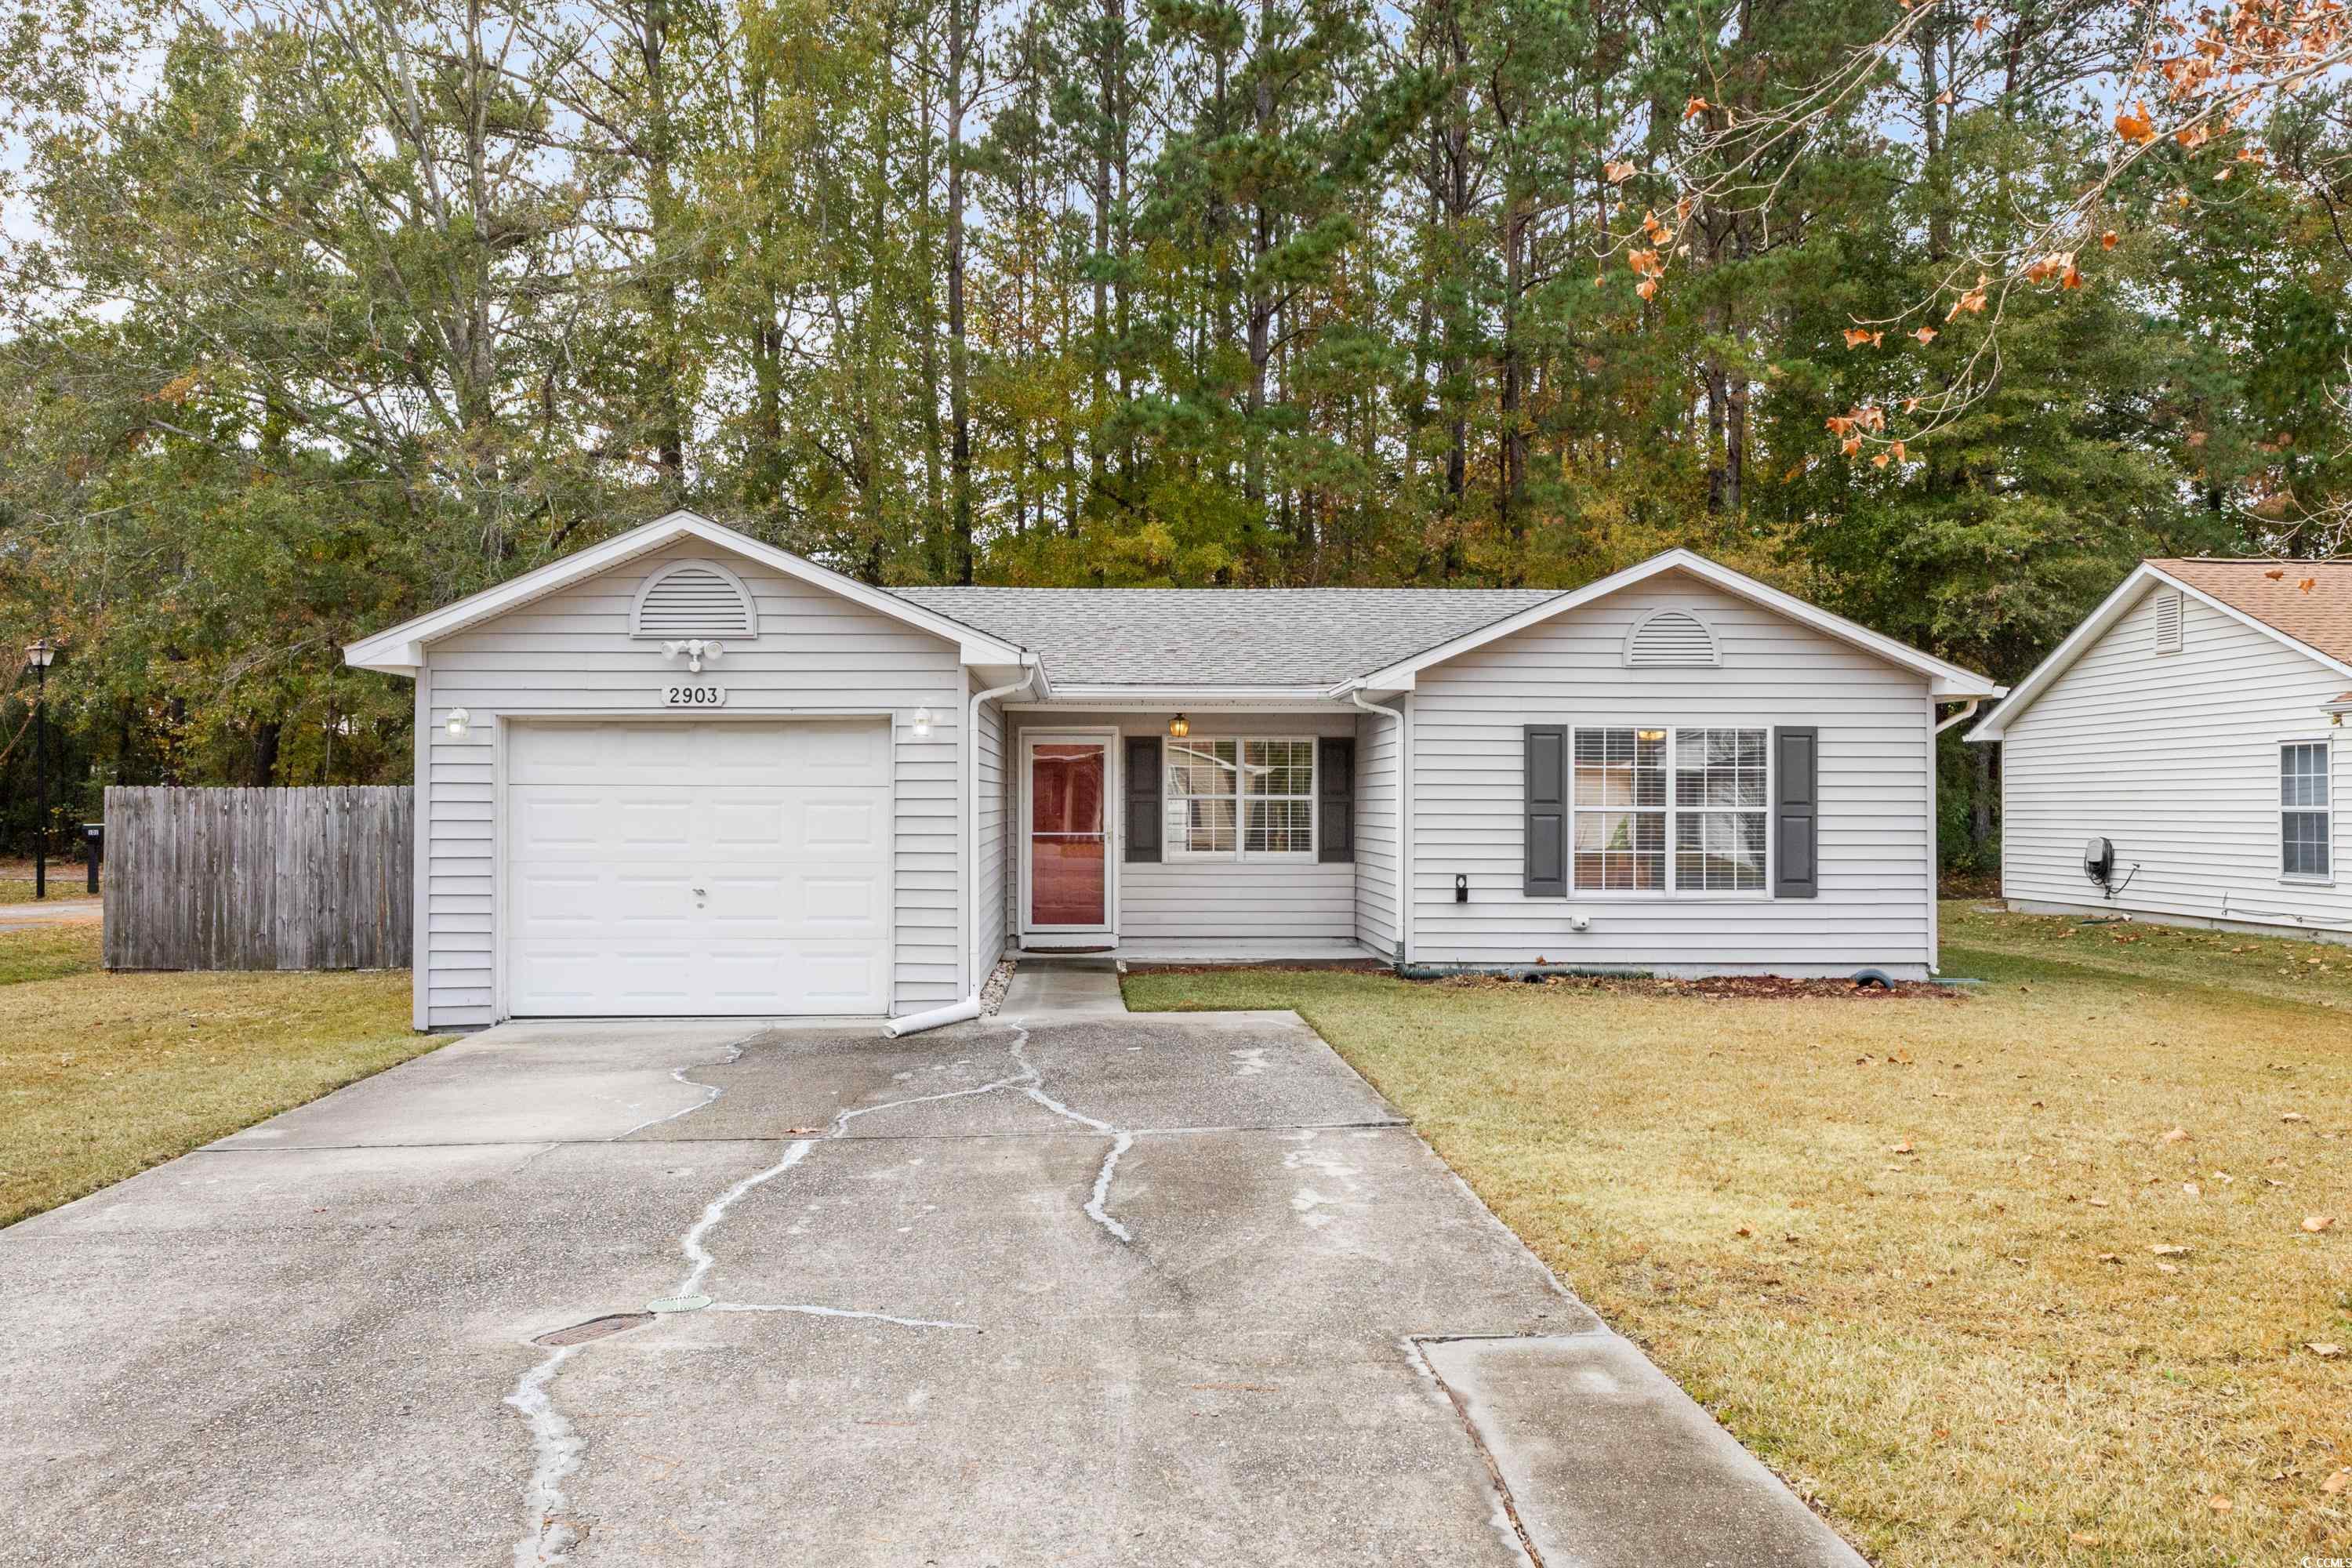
(571, 654)
(990, 861)
(1203, 900)
(1876, 907)
(1379, 852)
(2174, 757)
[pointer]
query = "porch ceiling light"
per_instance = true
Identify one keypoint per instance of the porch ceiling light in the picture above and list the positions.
(1178, 727)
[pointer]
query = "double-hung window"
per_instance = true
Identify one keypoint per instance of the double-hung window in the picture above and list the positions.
(1660, 810)
(2305, 814)
(1247, 798)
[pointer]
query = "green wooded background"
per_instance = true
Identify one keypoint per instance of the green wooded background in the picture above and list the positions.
(314, 315)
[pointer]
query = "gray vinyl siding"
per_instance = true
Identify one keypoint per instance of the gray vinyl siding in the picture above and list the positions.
(1197, 899)
(1378, 833)
(1877, 794)
(989, 863)
(2174, 757)
(570, 654)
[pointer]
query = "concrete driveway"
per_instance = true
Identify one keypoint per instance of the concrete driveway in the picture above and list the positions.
(1099, 1290)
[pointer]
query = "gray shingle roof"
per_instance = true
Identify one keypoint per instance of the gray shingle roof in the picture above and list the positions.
(1222, 637)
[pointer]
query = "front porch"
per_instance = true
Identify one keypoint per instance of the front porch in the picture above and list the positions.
(1303, 952)
(1221, 836)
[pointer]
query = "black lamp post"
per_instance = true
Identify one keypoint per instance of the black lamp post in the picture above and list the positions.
(37, 656)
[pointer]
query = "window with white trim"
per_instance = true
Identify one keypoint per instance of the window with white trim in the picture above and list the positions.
(2305, 812)
(1241, 798)
(1626, 816)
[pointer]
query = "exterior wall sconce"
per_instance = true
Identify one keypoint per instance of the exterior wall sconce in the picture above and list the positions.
(922, 724)
(1178, 727)
(460, 722)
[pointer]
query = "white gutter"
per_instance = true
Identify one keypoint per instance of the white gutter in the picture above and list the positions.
(1963, 716)
(1404, 823)
(958, 1012)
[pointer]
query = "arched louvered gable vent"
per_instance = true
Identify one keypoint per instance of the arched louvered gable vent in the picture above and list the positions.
(695, 599)
(1671, 638)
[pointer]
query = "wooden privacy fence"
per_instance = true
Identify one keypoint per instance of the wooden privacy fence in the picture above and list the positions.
(260, 878)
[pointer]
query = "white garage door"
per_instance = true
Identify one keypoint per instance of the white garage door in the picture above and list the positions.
(690, 869)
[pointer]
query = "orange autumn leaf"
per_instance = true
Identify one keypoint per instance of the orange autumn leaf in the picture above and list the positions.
(1852, 444)
(1694, 108)
(1647, 287)
(1618, 173)
(2307, 585)
(1925, 335)
(2134, 125)
(1898, 450)
(2108, 240)
(1981, 24)
(1880, 461)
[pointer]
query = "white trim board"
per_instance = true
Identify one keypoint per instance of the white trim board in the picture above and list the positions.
(1945, 680)
(401, 649)
(2113, 608)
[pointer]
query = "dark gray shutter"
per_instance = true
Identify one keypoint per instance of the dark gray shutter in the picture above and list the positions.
(1144, 797)
(1335, 811)
(1547, 811)
(1796, 812)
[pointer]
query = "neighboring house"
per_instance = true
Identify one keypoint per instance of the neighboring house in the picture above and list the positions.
(861, 798)
(2190, 724)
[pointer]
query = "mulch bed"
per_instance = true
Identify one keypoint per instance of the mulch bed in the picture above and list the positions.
(1735, 987)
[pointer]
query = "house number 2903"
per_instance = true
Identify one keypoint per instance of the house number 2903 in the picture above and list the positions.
(694, 696)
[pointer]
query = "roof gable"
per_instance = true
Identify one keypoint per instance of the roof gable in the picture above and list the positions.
(1944, 678)
(2244, 591)
(400, 650)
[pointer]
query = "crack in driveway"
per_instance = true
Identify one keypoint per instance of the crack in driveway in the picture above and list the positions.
(556, 1445)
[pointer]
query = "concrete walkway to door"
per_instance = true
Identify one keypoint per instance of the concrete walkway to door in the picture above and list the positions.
(1067, 1289)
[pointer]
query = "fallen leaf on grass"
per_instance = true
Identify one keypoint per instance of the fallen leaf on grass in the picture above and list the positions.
(1902, 1147)
(2295, 1116)
(2168, 1249)
(2325, 1351)
(2337, 1482)
(1743, 1230)
(2178, 1135)
(2316, 1222)
(2110, 1257)
(2083, 1537)
(2220, 1504)
(2098, 1202)
(2192, 1189)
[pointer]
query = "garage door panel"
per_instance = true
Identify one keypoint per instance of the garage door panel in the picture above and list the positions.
(551, 821)
(552, 901)
(614, 827)
(557, 978)
(840, 977)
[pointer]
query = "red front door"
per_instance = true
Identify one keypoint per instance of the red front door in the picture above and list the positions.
(1068, 838)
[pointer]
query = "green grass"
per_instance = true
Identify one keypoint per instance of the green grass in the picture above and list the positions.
(50, 952)
(102, 1076)
(1902, 1247)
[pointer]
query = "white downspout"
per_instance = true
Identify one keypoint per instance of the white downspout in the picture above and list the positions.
(1963, 716)
(958, 1012)
(1404, 820)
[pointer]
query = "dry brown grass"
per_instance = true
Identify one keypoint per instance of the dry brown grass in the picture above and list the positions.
(1903, 1247)
(103, 1075)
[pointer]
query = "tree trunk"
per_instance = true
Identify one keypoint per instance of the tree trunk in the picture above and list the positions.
(959, 378)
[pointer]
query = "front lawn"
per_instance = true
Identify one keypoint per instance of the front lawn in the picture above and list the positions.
(104, 1075)
(1918, 1253)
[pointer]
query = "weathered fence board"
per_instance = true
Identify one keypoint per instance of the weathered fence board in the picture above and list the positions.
(260, 878)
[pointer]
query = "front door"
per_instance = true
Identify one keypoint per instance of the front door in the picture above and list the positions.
(1065, 852)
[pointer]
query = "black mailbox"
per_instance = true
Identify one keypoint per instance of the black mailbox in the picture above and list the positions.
(93, 846)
